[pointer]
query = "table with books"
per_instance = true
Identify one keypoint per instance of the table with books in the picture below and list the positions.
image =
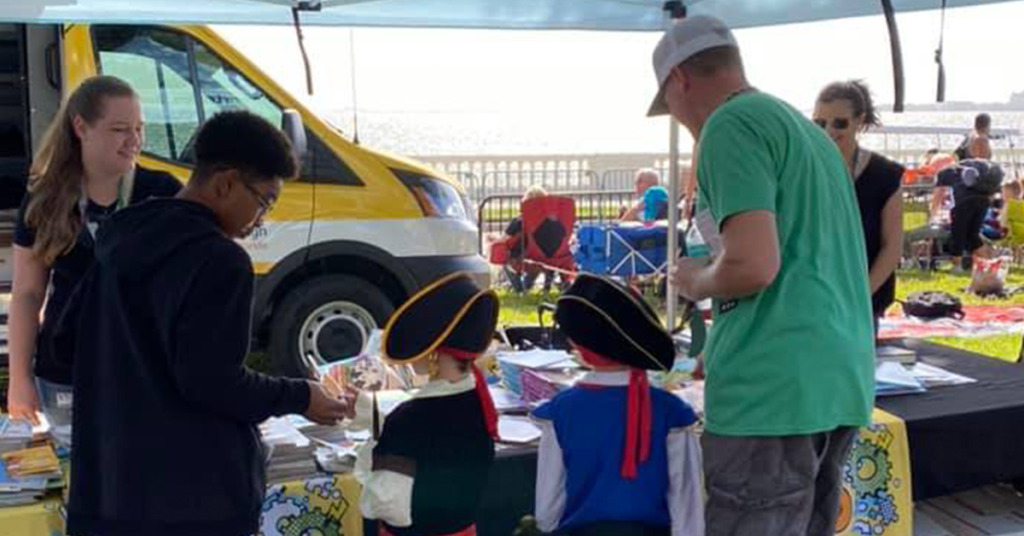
(949, 436)
(965, 435)
(32, 478)
(955, 426)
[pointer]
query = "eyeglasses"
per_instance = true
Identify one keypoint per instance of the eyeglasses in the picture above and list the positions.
(839, 123)
(266, 203)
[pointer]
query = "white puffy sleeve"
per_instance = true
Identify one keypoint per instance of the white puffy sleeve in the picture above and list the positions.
(550, 498)
(685, 490)
(387, 491)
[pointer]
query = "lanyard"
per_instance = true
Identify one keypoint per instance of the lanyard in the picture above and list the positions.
(860, 163)
(124, 194)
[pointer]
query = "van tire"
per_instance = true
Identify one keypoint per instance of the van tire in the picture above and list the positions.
(339, 303)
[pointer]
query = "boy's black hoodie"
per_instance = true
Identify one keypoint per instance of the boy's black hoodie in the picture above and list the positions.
(164, 433)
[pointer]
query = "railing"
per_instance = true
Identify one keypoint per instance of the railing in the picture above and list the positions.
(496, 184)
(484, 176)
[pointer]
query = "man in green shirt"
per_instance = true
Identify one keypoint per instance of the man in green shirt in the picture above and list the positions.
(790, 359)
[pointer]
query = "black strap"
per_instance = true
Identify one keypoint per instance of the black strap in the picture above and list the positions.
(376, 418)
(940, 93)
(302, 48)
(897, 56)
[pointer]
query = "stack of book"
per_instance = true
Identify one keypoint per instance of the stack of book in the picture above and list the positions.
(26, 475)
(895, 354)
(290, 453)
(14, 434)
(16, 491)
(514, 364)
(542, 385)
(894, 379)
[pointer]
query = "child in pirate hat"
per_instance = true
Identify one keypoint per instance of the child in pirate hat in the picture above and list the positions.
(431, 460)
(617, 456)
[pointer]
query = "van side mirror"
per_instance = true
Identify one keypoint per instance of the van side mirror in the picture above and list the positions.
(291, 124)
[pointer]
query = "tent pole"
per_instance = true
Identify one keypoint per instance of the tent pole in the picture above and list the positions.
(673, 12)
(897, 55)
(671, 298)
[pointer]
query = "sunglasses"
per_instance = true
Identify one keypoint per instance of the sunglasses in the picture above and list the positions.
(839, 123)
(266, 203)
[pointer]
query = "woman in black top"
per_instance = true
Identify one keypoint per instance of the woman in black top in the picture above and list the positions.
(844, 110)
(83, 172)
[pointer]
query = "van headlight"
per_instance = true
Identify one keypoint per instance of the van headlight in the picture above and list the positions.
(437, 198)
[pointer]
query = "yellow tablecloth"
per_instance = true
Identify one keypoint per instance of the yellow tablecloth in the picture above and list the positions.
(329, 505)
(42, 519)
(877, 498)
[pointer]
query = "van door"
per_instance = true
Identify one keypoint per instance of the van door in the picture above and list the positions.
(14, 140)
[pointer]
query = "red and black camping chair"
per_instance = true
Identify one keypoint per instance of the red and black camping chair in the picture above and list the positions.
(548, 224)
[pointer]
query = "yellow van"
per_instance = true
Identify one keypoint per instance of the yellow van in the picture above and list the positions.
(345, 245)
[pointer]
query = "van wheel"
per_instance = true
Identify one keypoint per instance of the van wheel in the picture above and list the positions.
(329, 318)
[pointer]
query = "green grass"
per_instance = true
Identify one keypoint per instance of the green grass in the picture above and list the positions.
(1004, 347)
(913, 220)
(522, 310)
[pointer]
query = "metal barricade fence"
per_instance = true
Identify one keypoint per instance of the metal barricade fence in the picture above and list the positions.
(618, 179)
(517, 181)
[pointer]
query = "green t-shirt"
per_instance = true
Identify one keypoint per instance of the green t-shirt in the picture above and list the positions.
(798, 357)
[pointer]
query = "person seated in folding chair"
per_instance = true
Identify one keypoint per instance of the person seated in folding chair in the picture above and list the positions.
(548, 223)
(922, 244)
(652, 204)
(521, 275)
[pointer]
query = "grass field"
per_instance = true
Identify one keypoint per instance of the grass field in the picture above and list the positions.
(522, 310)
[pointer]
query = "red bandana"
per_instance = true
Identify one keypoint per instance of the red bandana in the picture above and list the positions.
(638, 413)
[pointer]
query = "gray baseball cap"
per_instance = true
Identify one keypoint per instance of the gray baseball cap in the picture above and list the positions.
(680, 42)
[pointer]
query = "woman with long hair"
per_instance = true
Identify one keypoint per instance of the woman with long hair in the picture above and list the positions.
(83, 171)
(845, 110)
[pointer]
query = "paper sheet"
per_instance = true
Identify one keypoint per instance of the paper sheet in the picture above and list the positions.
(535, 358)
(931, 375)
(893, 379)
(504, 399)
(517, 430)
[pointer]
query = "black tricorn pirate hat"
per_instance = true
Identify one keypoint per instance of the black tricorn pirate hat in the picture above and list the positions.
(611, 320)
(452, 312)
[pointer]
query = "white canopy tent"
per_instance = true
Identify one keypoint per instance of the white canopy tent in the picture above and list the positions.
(635, 15)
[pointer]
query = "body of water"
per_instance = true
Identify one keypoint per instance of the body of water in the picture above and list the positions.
(495, 133)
